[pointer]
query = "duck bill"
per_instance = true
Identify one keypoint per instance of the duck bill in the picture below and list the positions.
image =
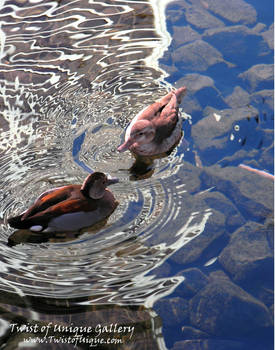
(112, 180)
(126, 145)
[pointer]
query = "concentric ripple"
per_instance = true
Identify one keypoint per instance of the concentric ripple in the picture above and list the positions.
(71, 78)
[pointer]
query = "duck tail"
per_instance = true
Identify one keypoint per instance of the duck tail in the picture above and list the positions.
(180, 93)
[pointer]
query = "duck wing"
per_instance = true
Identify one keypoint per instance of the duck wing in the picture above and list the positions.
(48, 199)
(154, 110)
(164, 106)
(167, 120)
(65, 207)
(42, 217)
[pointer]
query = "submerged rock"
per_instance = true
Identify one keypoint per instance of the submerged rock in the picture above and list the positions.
(191, 105)
(197, 55)
(195, 82)
(260, 76)
(233, 10)
(244, 188)
(163, 270)
(216, 128)
(267, 158)
(264, 99)
(219, 275)
(194, 281)
(259, 27)
(224, 309)
(214, 235)
(266, 295)
(249, 257)
(238, 44)
(238, 98)
(193, 333)
(175, 11)
(173, 311)
(183, 35)
(199, 88)
(201, 18)
(268, 36)
(221, 203)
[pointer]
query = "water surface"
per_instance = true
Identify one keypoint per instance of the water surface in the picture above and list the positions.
(73, 74)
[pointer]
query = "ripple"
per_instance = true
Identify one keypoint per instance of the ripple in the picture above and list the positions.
(109, 265)
(71, 79)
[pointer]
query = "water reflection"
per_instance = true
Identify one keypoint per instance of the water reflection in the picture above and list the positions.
(50, 324)
(72, 77)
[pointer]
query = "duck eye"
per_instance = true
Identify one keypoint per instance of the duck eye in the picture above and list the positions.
(141, 133)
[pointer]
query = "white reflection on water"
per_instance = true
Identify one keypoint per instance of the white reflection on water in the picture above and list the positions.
(71, 78)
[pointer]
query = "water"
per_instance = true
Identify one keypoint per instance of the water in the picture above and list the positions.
(73, 74)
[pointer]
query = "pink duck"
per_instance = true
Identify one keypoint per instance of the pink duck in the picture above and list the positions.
(157, 128)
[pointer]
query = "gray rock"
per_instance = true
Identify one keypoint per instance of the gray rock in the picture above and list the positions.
(197, 55)
(238, 98)
(265, 100)
(259, 27)
(195, 12)
(267, 158)
(193, 333)
(267, 139)
(169, 69)
(233, 10)
(216, 200)
(248, 257)
(175, 15)
(201, 18)
(268, 36)
(213, 231)
(196, 82)
(269, 223)
(237, 44)
(224, 309)
(266, 295)
(189, 175)
(201, 88)
(164, 270)
(216, 127)
(244, 188)
(173, 311)
(209, 344)
(191, 104)
(259, 76)
(183, 35)
(219, 275)
(194, 281)
(260, 158)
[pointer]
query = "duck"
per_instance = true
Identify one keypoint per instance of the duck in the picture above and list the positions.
(157, 128)
(70, 207)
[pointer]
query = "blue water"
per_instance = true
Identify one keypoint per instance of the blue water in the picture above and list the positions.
(252, 136)
(72, 76)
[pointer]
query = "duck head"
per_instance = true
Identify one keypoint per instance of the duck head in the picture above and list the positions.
(142, 132)
(95, 184)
